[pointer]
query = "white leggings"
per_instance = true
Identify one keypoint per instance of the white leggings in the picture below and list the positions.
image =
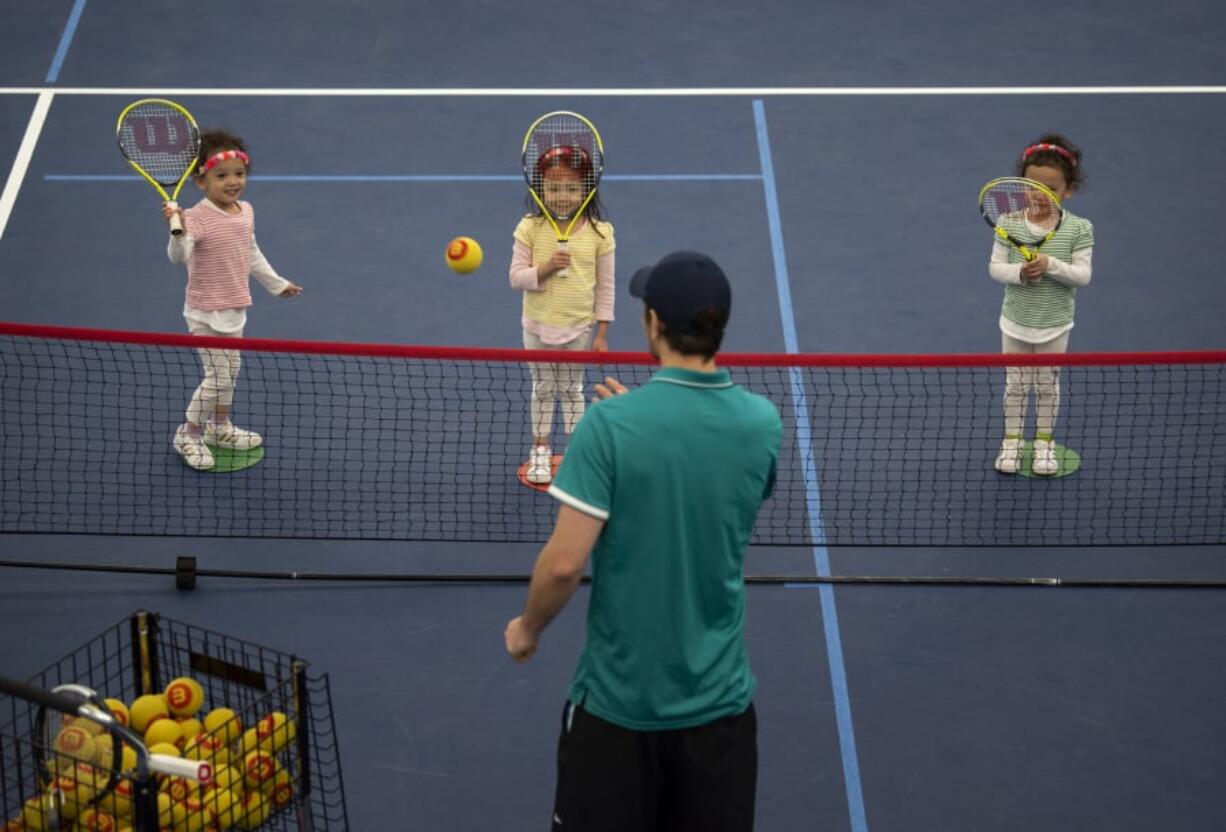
(553, 382)
(1019, 381)
(220, 375)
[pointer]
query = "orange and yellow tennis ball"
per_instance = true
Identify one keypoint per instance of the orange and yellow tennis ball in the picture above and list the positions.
(253, 811)
(184, 696)
(145, 710)
(464, 255)
(259, 767)
(275, 731)
(224, 723)
(39, 813)
(118, 710)
(75, 742)
(280, 789)
(208, 747)
(118, 803)
(224, 806)
(164, 731)
(95, 820)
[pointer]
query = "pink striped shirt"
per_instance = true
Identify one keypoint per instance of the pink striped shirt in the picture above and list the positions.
(220, 261)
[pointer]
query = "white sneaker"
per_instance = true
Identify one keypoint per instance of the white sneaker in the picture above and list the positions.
(1044, 462)
(193, 450)
(1010, 457)
(227, 435)
(540, 465)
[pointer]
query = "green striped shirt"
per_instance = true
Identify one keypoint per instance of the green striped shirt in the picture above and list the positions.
(1048, 303)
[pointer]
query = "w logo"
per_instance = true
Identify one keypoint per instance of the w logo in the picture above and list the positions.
(160, 133)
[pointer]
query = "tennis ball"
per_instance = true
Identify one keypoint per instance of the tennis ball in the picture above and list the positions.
(166, 748)
(259, 767)
(164, 731)
(208, 747)
(228, 777)
(118, 710)
(250, 742)
(280, 789)
(88, 725)
(145, 710)
(118, 803)
(253, 811)
(180, 788)
(275, 731)
(38, 813)
(185, 696)
(464, 255)
(224, 806)
(75, 742)
(94, 820)
(224, 723)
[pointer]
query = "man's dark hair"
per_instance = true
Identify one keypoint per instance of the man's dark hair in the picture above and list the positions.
(709, 323)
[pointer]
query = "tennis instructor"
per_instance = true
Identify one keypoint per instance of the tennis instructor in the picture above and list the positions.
(660, 486)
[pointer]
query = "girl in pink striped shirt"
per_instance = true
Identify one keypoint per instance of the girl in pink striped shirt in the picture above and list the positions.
(218, 245)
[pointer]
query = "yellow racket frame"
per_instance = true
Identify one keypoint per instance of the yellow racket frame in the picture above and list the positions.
(176, 225)
(1026, 251)
(563, 236)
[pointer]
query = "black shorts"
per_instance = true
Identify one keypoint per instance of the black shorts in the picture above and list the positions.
(611, 778)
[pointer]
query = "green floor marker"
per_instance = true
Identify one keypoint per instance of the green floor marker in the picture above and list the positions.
(1068, 460)
(226, 461)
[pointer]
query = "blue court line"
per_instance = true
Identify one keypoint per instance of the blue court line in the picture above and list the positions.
(61, 52)
(638, 177)
(804, 441)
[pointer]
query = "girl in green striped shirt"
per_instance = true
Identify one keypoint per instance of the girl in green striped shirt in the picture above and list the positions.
(1037, 313)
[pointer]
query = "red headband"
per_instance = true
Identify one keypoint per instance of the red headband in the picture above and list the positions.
(217, 158)
(1054, 148)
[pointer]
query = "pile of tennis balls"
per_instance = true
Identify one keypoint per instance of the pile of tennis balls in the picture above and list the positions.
(249, 781)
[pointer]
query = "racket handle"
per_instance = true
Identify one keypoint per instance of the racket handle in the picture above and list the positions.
(562, 246)
(199, 770)
(176, 220)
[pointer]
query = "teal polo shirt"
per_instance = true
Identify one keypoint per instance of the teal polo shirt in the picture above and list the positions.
(677, 470)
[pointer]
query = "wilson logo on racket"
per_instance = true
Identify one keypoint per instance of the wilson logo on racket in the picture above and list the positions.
(161, 141)
(1022, 213)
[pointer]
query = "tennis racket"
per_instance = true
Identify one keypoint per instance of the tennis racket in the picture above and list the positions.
(1024, 214)
(77, 771)
(161, 141)
(569, 145)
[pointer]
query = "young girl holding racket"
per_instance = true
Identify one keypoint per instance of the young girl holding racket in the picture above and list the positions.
(218, 245)
(1037, 313)
(567, 292)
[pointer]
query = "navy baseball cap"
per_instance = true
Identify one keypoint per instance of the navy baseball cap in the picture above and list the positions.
(681, 286)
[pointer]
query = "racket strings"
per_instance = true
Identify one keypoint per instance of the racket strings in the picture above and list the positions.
(1026, 213)
(567, 142)
(161, 140)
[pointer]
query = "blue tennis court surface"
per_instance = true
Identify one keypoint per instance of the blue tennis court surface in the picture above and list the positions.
(828, 158)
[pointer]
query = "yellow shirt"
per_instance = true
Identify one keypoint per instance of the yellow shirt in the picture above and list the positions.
(568, 301)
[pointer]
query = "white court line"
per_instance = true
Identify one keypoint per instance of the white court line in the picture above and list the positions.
(140, 92)
(24, 153)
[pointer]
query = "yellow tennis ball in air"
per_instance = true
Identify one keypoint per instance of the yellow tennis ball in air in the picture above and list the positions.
(464, 255)
(146, 710)
(184, 696)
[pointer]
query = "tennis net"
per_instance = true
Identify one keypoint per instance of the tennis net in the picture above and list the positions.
(374, 442)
